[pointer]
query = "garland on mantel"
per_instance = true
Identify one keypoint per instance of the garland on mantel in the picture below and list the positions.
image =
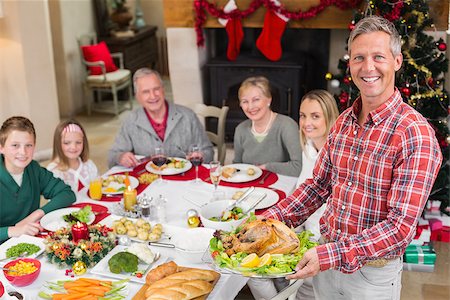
(201, 5)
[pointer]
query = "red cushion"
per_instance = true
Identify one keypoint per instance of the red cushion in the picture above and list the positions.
(99, 52)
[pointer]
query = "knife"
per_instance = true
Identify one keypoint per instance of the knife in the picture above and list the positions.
(255, 204)
(243, 197)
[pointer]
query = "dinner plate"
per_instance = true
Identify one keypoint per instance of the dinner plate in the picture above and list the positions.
(134, 182)
(22, 239)
(102, 267)
(54, 219)
(271, 197)
(169, 171)
(241, 175)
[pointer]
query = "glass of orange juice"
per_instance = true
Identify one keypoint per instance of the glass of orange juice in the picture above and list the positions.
(95, 188)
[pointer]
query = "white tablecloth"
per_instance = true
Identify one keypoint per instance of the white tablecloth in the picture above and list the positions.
(180, 197)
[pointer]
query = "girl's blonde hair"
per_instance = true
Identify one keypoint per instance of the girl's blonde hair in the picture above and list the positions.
(329, 108)
(260, 82)
(58, 153)
(16, 123)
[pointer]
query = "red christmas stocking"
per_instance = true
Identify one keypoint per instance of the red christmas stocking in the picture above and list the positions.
(269, 41)
(234, 32)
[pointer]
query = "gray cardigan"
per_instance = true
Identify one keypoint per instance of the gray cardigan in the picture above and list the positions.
(279, 151)
(138, 136)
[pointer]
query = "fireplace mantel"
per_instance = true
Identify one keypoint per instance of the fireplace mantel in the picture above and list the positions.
(180, 13)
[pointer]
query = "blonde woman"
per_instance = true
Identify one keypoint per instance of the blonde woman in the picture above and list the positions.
(267, 139)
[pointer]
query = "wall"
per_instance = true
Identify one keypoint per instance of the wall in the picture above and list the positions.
(27, 78)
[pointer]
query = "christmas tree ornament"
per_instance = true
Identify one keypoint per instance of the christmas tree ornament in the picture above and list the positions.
(346, 57)
(442, 46)
(334, 83)
(447, 139)
(79, 268)
(351, 26)
(347, 79)
(269, 41)
(328, 76)
(233, 27)
(406, 91)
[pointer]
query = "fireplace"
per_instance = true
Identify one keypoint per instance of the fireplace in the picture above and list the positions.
(300, 69)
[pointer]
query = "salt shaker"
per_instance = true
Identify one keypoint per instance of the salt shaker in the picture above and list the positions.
(160, 207)
(145, 207)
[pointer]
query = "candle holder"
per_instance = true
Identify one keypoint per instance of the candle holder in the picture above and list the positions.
(80, 232)
(129, 199)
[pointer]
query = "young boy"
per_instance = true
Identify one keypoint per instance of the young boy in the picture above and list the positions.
(23, 181)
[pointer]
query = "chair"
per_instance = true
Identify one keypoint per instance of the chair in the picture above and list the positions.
(111, 82)
(217, 138)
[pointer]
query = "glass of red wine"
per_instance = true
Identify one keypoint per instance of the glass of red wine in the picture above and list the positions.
(195, 156)
(159, 159)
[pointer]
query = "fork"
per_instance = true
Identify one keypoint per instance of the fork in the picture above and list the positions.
(264, 178)
(157, 256)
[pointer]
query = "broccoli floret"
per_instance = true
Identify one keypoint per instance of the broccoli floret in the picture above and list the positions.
(123, 261)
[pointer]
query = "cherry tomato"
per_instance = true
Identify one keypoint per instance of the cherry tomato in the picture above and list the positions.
(2, 289)
(139, 275)
(215, 253)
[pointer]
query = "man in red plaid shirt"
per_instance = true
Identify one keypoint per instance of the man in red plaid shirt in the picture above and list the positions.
(375, 174)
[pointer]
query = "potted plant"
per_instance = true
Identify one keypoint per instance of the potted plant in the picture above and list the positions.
(120, 14)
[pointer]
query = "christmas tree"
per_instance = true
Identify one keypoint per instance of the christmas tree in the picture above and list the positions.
(421, 80)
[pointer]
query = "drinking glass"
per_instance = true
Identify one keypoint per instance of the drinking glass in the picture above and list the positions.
(159, 158)
(214, 173)
(195, 156)
(95, 188)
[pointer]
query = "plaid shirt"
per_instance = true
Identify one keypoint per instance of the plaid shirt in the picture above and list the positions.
(375, 178)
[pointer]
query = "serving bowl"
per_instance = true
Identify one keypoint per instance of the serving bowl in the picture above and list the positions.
(215, 209)
(192, 244)
(22, 280)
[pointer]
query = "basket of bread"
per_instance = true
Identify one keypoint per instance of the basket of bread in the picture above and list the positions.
(171, 281)
(264, 248)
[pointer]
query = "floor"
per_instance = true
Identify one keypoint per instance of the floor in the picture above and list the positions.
(101, 130)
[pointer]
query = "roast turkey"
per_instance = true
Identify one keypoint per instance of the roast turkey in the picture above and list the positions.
(261, 237)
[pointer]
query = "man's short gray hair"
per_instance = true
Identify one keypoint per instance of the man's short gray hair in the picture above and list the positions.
(142, 72)
(373, 24)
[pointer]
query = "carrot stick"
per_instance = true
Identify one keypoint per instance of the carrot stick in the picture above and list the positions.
(58, 296)
(71, 284)
(74, 296)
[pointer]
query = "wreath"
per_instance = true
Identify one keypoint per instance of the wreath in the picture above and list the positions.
(61, 249)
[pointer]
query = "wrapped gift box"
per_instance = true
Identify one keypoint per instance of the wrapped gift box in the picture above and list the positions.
(423, 255)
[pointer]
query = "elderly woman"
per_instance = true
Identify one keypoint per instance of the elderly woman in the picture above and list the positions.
(268, 140)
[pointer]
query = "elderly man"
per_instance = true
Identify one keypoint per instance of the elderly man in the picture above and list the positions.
(157, 123)
(375, 173)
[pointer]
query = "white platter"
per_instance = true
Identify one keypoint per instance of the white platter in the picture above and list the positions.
(134, 182)
(271, 197)
(54, 219)
(102, 268)
(241, 175)
(22, 239)
(169, 171)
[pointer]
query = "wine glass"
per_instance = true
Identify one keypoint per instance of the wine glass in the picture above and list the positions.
(159, 158)
(214, 173)
(195, 156)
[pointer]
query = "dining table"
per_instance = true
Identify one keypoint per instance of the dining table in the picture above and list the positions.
(181, 193)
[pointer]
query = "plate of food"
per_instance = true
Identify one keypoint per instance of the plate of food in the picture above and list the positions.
(116, 184)
(271, 197)
(237, 173)
(138, 230)
(251, 250)
(66, 216)
(84, 288)
(173, 166)
(129, 262)
(17, 246)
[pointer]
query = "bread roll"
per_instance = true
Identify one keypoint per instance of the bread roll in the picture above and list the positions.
(228, 172)
(195, 274)
(161, 271)
(185, 291)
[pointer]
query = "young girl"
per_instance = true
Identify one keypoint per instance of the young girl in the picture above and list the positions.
(318, 111)
(23, 181)
(70, 160)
